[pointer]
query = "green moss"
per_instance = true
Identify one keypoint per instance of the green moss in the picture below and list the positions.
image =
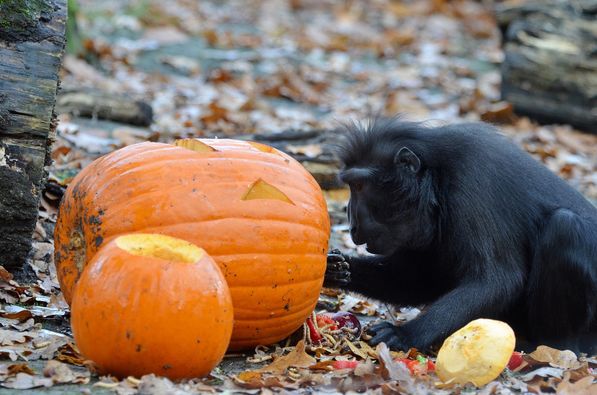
(17, 17)
(74, 40)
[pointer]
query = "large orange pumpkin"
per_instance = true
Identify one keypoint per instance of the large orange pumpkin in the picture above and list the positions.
(149, 303)
(254, 209)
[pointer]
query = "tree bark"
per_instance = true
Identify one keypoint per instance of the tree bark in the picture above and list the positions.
(32, 39)
(550, 68)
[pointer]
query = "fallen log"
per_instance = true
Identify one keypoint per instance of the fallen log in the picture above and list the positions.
(550, 69)
(103, 105)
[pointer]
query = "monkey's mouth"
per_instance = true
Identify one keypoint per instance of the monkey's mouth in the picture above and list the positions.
(371, 249)
(378, 248)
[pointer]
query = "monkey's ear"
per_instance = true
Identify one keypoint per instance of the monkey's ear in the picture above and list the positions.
(405, 157)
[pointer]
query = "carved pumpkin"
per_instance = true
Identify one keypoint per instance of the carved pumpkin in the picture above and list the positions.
(254, 209)
(149, 303)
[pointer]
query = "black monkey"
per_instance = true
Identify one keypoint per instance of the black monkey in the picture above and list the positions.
(463, 220)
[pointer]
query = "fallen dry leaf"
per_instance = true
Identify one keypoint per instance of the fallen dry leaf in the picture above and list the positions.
(296, 358)
(60, 373)
(32, 345)
(253, 380)
(69, 353)
(393, 370)
(19, 368)
(561, 359)
(249, 375)
(584, 386)
(8, 338)
(363, 351)
(5, 275)
(501, 112)
(364, 369)
(23, 381)
(151, 384)
(216, 113)
(542, 372)
(327, 365)
(18, 325)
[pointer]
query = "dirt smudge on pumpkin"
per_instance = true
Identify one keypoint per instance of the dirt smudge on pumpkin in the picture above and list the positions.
(94, 220)
(76, 247)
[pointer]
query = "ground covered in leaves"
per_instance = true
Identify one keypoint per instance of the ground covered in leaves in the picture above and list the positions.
(290, 69)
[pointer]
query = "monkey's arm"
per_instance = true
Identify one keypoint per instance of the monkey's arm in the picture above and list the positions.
(453, 310)
(394, 279)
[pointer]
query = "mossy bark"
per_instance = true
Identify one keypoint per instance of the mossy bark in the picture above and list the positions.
(32, 40)
(21, 19)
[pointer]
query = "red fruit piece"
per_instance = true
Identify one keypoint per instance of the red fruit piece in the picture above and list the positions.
(410, 364)
(515, 360)
(347, 320)
(314, 334)
(417, 367)
(345, 364)
(326, 321)
(430, 365)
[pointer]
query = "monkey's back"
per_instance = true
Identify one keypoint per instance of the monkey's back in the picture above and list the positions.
(474, 148)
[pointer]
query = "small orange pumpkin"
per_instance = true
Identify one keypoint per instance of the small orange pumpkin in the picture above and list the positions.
(149, 303)
(254, 209)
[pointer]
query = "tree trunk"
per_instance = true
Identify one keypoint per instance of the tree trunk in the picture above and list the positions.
(31, 46)
(550, 68)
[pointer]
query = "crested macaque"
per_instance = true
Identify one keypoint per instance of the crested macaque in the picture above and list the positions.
(462, 220)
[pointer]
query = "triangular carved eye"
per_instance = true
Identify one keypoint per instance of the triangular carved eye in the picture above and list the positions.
(262, 190)
(263, 147)
(194, 145)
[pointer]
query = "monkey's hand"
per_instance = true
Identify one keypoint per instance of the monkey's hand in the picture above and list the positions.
(337, 273)
(388, 333)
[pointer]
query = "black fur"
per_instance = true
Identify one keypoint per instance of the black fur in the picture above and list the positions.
(465, 221)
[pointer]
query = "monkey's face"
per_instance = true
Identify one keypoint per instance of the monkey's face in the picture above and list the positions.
(390, 206)
(379, 220)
